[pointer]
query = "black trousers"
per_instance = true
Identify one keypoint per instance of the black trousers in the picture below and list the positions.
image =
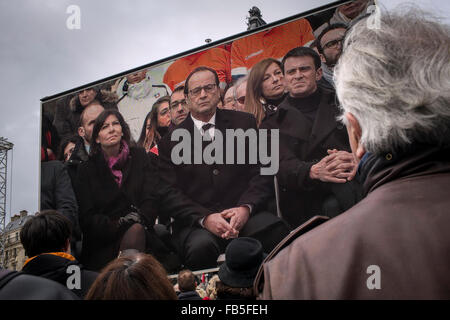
(201, 248)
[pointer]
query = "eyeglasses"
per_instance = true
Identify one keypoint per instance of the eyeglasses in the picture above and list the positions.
(333, 43)
(241, 100)
(209, 88)
(175, 104)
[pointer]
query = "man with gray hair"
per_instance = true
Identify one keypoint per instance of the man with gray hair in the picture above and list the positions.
(393, 84)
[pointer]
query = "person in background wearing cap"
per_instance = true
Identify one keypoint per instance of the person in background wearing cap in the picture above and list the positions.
(243, 256)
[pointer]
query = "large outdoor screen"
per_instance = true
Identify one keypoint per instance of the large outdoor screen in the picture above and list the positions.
(135, 92)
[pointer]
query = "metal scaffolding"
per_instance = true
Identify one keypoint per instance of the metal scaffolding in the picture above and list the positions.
(5, 146)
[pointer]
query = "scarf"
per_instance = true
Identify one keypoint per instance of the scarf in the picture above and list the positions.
(59, 254)
(117, 163)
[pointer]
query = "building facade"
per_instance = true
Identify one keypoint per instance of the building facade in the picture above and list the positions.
(14, 256)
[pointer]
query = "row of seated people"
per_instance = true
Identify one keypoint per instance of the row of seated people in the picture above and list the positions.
(121, 188)
(394, 180)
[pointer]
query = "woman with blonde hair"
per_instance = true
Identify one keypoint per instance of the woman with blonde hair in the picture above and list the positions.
(265, 89)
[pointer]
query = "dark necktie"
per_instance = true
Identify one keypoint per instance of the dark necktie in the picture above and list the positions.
(205, 128)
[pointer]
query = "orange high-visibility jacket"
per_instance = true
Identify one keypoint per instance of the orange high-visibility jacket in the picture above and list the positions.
(271, 43)
(215, 58)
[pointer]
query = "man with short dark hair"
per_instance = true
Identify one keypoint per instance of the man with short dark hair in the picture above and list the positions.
(187, 284)
(235, 194)
(395, 243)
(316, 166)
(329, 44)
(46, 240)
(178, 106)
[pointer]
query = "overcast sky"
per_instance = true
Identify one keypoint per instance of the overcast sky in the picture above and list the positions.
(40, 56)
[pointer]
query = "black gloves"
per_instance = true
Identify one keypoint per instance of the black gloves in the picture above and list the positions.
(132, 217)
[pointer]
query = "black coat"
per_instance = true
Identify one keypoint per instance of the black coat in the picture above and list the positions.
(302, 144)
(55, 268)
(217, 186)
(102, 202)
(57, 192)
(16, 285)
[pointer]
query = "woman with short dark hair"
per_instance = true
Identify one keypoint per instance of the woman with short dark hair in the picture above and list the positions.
(120, 195)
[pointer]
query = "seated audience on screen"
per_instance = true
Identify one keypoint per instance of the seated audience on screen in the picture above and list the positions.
(394, 243)
(120, 194)
(316, 167)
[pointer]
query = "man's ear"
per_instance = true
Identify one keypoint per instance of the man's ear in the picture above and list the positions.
(81, 132)
(355, 132)
(319, 74)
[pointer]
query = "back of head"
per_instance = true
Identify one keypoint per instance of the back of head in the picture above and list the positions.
(395, 78)
(47, 231)
(135, 277)
(186, 281)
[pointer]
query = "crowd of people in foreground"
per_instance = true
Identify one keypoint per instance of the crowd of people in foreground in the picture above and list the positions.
(363, 199)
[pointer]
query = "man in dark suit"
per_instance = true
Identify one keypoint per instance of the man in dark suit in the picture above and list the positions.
(236, 194)
(317, 170)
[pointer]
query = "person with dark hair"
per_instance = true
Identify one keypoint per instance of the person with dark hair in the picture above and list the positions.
(66, 148)
(216, 58)
(56, 187)
(156, 125)
(329, 45)
(265, 89)
(243, 257)
(316, 167)
(187, 283)
(46, 240)
(178, 106)
(395, 103)
(134, 277)
(236, 195)
(120, 194)
(67, 117)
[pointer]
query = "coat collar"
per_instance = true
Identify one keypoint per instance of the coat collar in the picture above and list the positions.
(416, 161)
(293, 123)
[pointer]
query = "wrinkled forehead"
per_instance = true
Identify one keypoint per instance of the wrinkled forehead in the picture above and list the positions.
(201, 78)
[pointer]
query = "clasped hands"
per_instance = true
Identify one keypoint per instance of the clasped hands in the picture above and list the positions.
(337, 167)
(228, 223)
